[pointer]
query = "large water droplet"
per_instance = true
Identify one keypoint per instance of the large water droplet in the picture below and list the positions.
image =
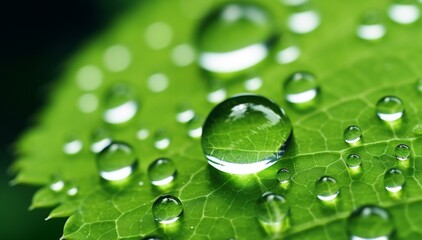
(245, 134)
(234, 38)
(120, 104)
(101, 138)
(72, 145)
(167, 209)
(326, 188)
(273, 212)
(390, 108)
(304, 18)
(300, 87)
(404, 11)
(394, 180)
(116, 162)
(371, 27)
(283, 175)
(117, 58)
(370, 223)
(162, 171)
(353, 161)
(89, 78)
(352, 134)
(402, 152)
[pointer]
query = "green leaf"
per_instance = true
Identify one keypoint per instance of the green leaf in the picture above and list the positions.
(352, 75)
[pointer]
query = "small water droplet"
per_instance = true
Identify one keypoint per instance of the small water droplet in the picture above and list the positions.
(326, 188)
(216, 95)
(167, 209)
(89, 77)
(72, 190)
(404, 12)
(390, 108)
(194, 127)
(371, 27)
(352, 134)
(183, 55)
(56, 183)
(142, 134)
(394, 180)
(116, 162)
(245, 134)
(304, 18)
(369, 223)
(158, 35)
(151, 238)
(253, 84)
(117, 58)
(402, 152)
(72, 145)
(288, 55)
(184, 113)
(101, 138)
(88, 102)
(283, 175)
(353, 161)
(273, 212)
(161, 140)
(419, 84)
(158, 82)
(120, 104)
(417, 129)
(162, 171)
(222, 43)
(300, 87)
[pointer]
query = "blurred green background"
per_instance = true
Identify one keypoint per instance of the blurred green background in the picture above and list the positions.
(37, 37)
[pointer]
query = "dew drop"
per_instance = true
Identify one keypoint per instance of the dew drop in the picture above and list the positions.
(183, 55)
(419, 84)
(56, 183)
(234, 38)
(142, 134)
(300, 87)
(304, 18)
(101, 138)
(371, 27)
(72, 190)
(394, 180)
(72, 145)
(88, 103)
(352, 134)
(158, 35)
(353, 161)
(390, 108)
(253, 84)
(216, 95)
(116, 162)
(404, 12)
(402, 152)
(167, 209)
(117, 58)
(161, 140)
(184, 113)
(194, 127)
(245, 134)
(326, 188)
(120, 104)
(369, 223)
(89, 77)
(417, 129)
(162, 171)
(273, 212)
(151, 238)
(158, 82)
(283, 175)
(288, 55)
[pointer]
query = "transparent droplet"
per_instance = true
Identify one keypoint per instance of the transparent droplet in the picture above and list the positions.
(216, 95)
(234, 38)
(304, 18)
(162, 171)
(88, 102)
(353, 161)
(89, 77)
(72, 190)
(120, 104)
(370, 223)
(283, 175)
(183, 55)
(371, 27)
(417, 129)
(404, 11)
(245, 134)
(56, 183)
(402, 152)
(288, 55)
(273, 212)
(167, 209)
(117, 58)
(352, 134)
(194, 127)
(116, 162)
(72, 145)
(419, 84)
(184, 113)
(158, 35)
(161, 140)
(326, 188)
(300, 87)
(390, 108)
(253, 84)
(101, 138)
(151, 238)
(142, 134)
(394, 180)
(158, 82)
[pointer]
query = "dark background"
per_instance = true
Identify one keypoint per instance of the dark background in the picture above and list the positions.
(36, 38)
